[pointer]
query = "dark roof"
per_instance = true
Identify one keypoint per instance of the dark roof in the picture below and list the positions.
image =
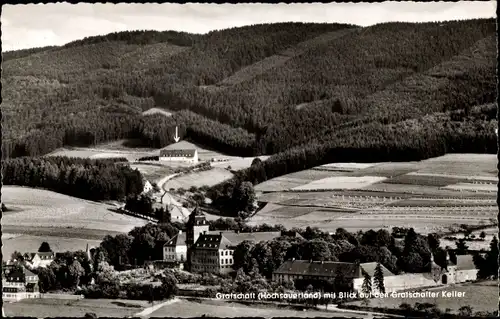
(369, 268)
(236, 238)
(196, 218)
(15, 275)
(177, 240)
(465, 262)
(211, 241)
(318, 268)
(178, 153)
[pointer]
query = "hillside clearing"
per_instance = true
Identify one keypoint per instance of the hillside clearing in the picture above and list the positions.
(42, 208)
(65, 220)
(156, 110)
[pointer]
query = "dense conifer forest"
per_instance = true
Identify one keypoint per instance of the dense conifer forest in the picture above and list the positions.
(89, 179)
(305, 93)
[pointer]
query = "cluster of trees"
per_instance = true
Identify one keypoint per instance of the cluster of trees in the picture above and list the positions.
(409, 255)
(139, 245)
(143, 205)
(488, 265)
(68, 271)
(84, 178)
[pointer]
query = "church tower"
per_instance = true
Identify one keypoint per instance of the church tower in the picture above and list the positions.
(197, 224)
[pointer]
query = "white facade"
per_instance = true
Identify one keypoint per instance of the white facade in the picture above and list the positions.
(226, 260)
(147, 187)
(180, 156)
(38, 261)
(175, 253)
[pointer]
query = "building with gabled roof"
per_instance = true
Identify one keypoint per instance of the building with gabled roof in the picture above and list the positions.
(291, 270)
(19, 283)
(186, 155)
(39, 259)
(175, 250)
(208, 251)
(452, 273)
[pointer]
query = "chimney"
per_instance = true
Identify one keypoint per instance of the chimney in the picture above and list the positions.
(204, 232)
(220, 233)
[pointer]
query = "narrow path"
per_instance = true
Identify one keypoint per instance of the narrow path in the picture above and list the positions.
(147, 311)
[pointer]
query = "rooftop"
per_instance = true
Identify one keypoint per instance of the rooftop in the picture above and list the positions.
(318, 268)
(178, 153)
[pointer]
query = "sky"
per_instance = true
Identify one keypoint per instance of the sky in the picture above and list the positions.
(37, 25)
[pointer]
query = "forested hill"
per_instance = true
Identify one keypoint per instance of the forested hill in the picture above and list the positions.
(308, 93)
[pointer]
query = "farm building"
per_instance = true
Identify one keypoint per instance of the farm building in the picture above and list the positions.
(461, 271)
(187, 155)
(178, 213)
(291, 270)
(36, 260)
(19, 283)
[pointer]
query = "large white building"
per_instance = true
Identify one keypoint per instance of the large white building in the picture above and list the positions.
(188, 155)
(19, 283)
(39, 259)
(209, 251)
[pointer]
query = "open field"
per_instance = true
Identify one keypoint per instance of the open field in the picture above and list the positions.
(153, 171)
(236, 163)
(289, 181)
(200, 178)
(481, 296)
(61, 219)
(42, 208)
(490, 188)
(29, 243)
(95, 153)
(401, 194)
(469, 165)
(45, 307)
(217, 308)
(340, 182)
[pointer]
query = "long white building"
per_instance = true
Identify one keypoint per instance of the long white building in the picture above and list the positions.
(188, 155)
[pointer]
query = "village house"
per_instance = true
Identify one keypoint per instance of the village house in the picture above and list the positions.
(147, 186)
(39, 259)
(187, 155)
(175, 250)
(19, 283)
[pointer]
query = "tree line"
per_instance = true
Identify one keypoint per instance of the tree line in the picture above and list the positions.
(101, 179)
